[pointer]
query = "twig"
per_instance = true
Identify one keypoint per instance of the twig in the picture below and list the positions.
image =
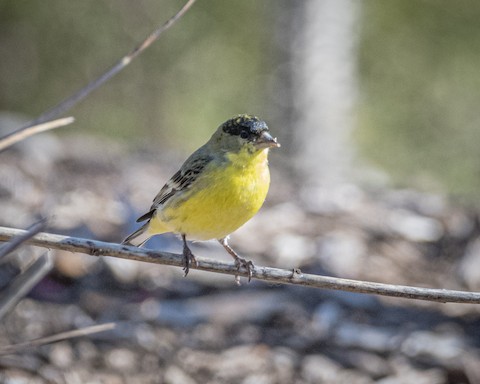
(23, 283)
(276, 275)
(15, 242)
(37, 125)
(15, 348)
(30, 130)
(68, 103)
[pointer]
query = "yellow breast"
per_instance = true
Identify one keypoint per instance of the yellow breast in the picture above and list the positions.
(223, 198)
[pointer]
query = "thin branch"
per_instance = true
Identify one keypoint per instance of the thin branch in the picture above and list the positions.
(15, 242)
(30, 130)
(68, 103)
(37, 125)
(23, 283)
(21, 347)
(275, 275)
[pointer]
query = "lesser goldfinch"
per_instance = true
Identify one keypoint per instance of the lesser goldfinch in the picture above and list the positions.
(218, 188)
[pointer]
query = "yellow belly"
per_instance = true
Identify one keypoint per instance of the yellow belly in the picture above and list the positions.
(221, 201)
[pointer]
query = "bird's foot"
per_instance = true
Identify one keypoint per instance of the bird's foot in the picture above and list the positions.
(188, 259)
(247, 264)
(239, 262)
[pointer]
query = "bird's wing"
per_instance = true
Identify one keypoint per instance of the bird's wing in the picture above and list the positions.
(179, 182)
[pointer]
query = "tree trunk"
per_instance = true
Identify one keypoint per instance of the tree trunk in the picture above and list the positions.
(324, 87)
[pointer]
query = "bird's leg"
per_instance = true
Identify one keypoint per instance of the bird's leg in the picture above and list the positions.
(239, 262)
(188, 256)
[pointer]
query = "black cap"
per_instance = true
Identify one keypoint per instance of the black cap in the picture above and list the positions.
(245, 126)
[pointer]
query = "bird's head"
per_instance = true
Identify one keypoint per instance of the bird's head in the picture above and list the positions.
(243, 131)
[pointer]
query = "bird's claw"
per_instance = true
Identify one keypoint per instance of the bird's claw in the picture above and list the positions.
(247, 264)
(188, 259)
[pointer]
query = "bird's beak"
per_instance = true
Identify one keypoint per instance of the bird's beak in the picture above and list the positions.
(266, 140)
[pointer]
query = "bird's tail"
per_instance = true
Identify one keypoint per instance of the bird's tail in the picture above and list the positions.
(139, 237)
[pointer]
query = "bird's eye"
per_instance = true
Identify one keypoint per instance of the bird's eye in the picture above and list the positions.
(244, 134)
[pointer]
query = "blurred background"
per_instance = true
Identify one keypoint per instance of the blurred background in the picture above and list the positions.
(376, 107)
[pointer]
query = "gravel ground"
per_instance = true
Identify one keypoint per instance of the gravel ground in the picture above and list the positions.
(204, 328)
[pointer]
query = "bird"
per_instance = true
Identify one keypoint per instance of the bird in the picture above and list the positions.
(218, 188)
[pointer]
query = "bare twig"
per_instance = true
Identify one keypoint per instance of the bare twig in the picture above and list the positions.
(30, 130)
(23, 283)
(37, 125)
(15, 242)
(116, 68)
(276, 275)
(16, 348)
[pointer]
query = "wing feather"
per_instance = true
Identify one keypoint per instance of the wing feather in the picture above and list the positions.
(179, 182)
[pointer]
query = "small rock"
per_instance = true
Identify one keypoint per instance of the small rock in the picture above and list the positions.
(469, 267)
(370, 363)
(459, 224)
(125, 271)
(370, 338)
(256, 235)
(259, 378)
(40, 152)
(175, 375)
(121, 359)
(414, 227)
(86, 349)
(445, 348)
(332, 200)
(320, 369)
(407, 373)
(284, 361)
(74, 265)
(326, 316)
(19, 377)
(342, 253)
(292, 250)
(61, 354)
